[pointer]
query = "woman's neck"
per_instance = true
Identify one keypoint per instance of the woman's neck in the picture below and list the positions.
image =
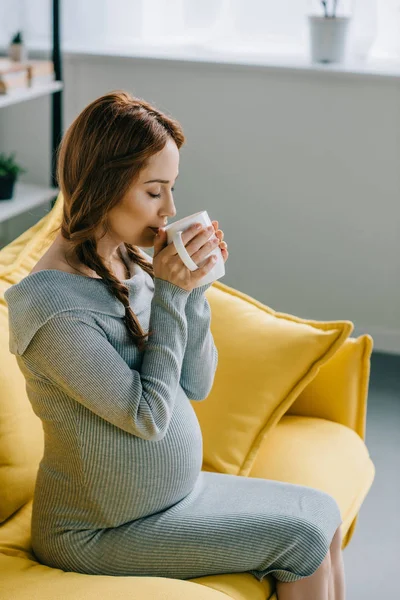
(60, 251)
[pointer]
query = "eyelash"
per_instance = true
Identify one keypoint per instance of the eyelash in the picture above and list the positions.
(158, 195)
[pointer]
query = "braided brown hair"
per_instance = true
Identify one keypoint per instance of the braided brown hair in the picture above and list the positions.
(100, 156)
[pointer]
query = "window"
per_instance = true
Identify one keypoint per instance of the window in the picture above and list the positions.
(247, 25)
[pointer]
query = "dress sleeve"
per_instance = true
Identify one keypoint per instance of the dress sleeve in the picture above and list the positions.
(77, 357)
(201, 356)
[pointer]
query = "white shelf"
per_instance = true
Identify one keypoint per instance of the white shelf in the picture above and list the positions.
(26, 196)
(21, 94)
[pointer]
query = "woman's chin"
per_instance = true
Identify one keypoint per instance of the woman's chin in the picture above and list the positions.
(146, 240)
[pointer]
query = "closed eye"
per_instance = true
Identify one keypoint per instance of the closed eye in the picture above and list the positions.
(158, 195)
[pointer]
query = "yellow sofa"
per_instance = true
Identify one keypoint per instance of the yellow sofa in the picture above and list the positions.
(292, 396)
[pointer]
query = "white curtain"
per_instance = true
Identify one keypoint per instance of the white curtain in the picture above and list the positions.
(272, 26)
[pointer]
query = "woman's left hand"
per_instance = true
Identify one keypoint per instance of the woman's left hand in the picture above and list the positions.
(222, 245)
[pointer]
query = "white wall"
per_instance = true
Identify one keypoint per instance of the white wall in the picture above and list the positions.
(300, 168)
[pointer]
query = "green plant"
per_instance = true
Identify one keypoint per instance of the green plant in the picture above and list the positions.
(17, 39)
(334, 8)
(8, 166)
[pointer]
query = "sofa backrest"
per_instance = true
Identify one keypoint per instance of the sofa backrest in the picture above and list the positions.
(21, 432)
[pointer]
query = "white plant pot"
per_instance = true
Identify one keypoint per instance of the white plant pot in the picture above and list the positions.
(328, 38)
(17, 52)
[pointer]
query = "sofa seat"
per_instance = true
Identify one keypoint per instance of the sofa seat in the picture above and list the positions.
(299, 450)
(318, 453)
(321, 454)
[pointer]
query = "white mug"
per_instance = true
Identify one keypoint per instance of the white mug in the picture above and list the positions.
(174, 236)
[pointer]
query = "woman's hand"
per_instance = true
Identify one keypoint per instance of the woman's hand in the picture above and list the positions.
(167, 264)
(223, 245)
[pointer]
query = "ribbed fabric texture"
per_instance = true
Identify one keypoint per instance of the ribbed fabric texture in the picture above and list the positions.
(120, 489)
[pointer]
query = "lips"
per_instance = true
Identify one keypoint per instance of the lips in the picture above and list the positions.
(155, 229)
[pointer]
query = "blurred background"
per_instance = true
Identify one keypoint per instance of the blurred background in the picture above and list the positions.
(292, 115)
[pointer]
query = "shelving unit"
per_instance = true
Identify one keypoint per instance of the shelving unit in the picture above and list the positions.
(22, 94)
(27, 196)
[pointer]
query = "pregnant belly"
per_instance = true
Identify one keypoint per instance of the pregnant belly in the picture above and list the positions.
(182, 446)
(124, 477)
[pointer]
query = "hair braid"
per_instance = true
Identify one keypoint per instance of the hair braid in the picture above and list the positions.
(86, 252)
(101, 154)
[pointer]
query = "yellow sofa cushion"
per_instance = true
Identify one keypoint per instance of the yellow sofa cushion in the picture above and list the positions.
(22, 577)
(26, 580)
(340, 390)
(266, 359)
(19, 257)
(21, 432)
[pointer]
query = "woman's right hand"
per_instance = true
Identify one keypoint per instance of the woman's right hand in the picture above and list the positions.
(168, 265)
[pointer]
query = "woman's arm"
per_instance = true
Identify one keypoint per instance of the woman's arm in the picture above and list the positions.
(73, 353)
(201, 356)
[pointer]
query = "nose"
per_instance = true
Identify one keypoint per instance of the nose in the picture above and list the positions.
(169, 208)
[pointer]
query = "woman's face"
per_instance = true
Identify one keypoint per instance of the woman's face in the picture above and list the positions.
(147, 203)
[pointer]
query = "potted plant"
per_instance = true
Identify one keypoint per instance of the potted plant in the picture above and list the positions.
(17, 49)
(329, 34)
(9, 171)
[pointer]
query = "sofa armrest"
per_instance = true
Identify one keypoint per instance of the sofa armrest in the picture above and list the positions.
(340, 389)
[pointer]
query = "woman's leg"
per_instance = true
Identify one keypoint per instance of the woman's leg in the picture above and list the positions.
(314, 587)
(338, 565)
(327, 583)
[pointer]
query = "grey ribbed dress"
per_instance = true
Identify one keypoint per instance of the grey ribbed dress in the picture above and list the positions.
(120, 490)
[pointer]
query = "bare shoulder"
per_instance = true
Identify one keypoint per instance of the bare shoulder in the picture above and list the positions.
(52, 260)
(48, 261)
(43, 265)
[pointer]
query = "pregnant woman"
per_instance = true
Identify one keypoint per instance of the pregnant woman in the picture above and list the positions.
(113, 346)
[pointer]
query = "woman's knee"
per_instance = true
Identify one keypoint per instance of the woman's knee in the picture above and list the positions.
(315, 548)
